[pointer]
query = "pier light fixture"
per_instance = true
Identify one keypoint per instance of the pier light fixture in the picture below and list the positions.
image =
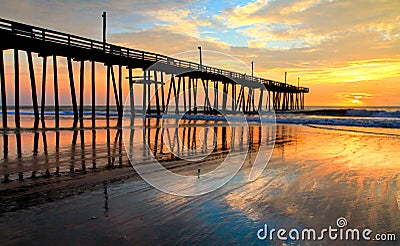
(252, 70)
(201, 59)
(104, 16)
(285, 77)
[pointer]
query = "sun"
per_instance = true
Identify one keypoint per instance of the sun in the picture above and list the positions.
(357, 102)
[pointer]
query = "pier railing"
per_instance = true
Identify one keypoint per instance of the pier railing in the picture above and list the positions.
(47, 35)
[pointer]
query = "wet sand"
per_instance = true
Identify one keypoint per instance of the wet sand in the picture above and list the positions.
(315, 176)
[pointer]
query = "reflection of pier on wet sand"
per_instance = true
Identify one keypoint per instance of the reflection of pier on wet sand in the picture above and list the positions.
(46, 162)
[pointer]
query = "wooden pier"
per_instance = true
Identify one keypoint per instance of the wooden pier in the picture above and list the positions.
(157, 69)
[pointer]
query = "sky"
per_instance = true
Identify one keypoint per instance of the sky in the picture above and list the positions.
(346, 51)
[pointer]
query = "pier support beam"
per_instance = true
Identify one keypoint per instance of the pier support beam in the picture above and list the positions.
(195, 95)
(81, 89)
(72, 88)
(131, 95)
(144, 94)
(3, 91)
(177, 96)
(16, 88)
(117, 102)
(233, 88)
(93, 94)
(56, 102)
(169, 94)
(184, 94)
(120, 109)
(148, 90)
(33, 89)
(190, 93)
(156, 91)
(108, 95)
(162, 92)
(207, 103)
(43, 102)
(225, 96)
(260, 100)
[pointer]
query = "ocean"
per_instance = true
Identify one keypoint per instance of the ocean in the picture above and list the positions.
(370, 117)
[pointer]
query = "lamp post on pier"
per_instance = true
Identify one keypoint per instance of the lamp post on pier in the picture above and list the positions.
(201, 59)
(104, 16)
(285, 77)
(252, 71)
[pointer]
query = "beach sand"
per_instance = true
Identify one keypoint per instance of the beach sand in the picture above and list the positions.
(315, 176)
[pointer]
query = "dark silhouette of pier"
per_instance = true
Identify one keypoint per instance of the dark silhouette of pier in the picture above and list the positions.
(184, 75)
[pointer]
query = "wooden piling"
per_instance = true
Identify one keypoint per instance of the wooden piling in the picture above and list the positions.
(215, 88)
(208, 96)
(16, 89)
(216, 95)
(184, 94)
(144, 93)
(33, 89)
(207, 103)
(291, 101)
(131, 95)
(195, 95)
(177, 96)
(190, 93)
(117, 102)
(260, 100)
(108, 95)
(233, 91)
(72, 88)
(162, 91)
(148, 90)
(3, 91)
(56, 102)
(224, 96)
(156, 91)
(238, 101)
(243, 100)
(120, 112)
(81, 88)
(93, 93)
(43, 102)
(169, 93)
